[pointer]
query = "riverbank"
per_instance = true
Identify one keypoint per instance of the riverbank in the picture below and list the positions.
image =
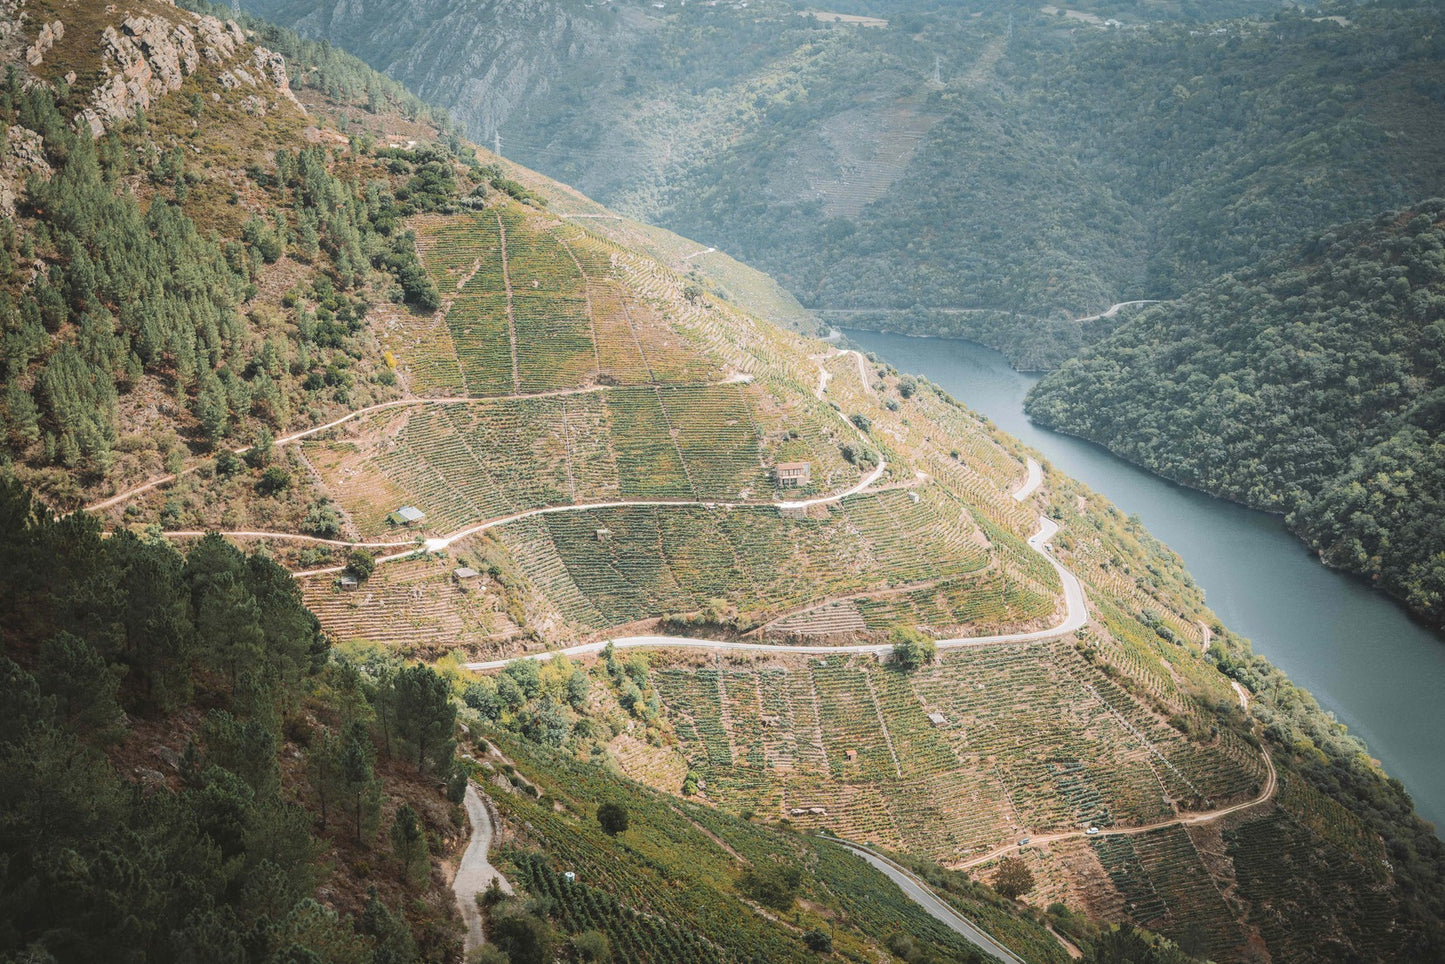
(1367, 662)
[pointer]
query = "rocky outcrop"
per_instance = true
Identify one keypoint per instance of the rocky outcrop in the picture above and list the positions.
(24, 155)
(49, 33)
(147, 57)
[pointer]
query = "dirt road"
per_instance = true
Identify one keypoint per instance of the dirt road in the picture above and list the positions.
(475, 873)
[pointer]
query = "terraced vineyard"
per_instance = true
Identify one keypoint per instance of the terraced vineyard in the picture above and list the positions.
(1035, 740)
(414, 608)
(532, 304)
(666, 889)
(624, 563)
(465, 463)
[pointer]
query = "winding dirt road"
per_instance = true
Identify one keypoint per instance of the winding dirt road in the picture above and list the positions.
(475, 872)
(1075, 616)
(368, 410)
(1271, 783)
(410, 547)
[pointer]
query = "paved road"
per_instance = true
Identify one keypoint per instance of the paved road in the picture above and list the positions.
(1032, 481)
(922, 895)
(1113, 310)
(475, 872)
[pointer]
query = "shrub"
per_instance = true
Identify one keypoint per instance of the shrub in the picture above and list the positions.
(361, 564)
(592, 946)
(1013, 878)
(772, 885)
(274, 480)
(819, 940)
(912, 648)
(612, 818)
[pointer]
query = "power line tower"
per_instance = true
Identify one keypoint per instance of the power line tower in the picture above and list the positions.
(937, 70)
(497, 141)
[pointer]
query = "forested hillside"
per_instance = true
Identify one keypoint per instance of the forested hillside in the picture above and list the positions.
(1311, 385)
(1040, 165)
(188, 767)
(143, 275)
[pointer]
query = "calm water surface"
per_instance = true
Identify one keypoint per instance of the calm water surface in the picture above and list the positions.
(1381, 674)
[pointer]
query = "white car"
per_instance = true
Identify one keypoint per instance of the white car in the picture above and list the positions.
(1092, 831)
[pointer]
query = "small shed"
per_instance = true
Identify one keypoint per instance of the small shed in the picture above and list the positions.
(850, 755)
(406, 515)
(463, 575)
(793, 474)
(937, 719)
(348, 582)
(604, 534)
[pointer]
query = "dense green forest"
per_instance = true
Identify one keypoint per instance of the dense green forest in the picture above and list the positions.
(182, 752)
(1311, 385)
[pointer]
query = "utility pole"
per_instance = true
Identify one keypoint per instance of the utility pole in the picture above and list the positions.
(937, 70)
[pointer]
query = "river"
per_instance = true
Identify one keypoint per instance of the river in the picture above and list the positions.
(1381, 674)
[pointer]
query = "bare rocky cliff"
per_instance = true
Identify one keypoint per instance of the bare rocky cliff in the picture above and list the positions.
(148, 57)
(143, 57)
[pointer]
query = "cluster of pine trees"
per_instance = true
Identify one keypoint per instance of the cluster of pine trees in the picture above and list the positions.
(152, 704)
(96, 291)
(104, 294)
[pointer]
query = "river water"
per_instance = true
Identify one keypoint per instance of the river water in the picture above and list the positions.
(1381, 674)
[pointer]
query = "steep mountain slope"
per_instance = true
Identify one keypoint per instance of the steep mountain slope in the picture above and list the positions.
(1310, 385)
(605, 436)
(993, 171)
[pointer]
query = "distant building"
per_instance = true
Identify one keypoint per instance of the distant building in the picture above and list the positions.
(792, 474)
(348, 582)
(406, 515)
(463, 575)
(604, 534)
(937, 719)
(850, 755)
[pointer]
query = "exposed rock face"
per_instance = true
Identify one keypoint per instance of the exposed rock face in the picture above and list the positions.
(148, 57)
(24, 155)
(49, 33)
